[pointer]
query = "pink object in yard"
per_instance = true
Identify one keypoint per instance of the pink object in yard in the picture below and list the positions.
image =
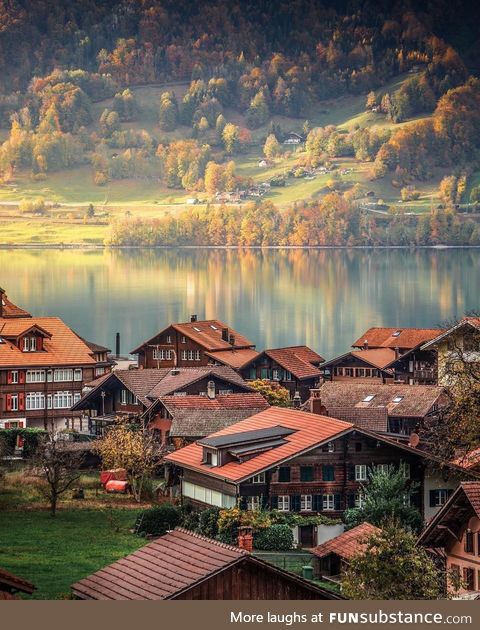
(114, 485)
(119, 474)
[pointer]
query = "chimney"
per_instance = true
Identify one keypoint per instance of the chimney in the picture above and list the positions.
(211, 389)
(317, 407)
(225, 334)
(231, 340)
(245, 538)
(365, 344)
(397, 352)
(193, 318)
(297, 401)
(117, 345)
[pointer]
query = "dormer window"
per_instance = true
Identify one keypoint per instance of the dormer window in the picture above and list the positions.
(29, 344)
(211, 458)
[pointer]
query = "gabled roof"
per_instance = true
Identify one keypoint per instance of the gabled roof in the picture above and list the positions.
(453, 517)
(187, 376)
(396, 337)
(8, 309)
(197, 416)
(13, 583)
(171, 565)
(309, 431)
(472, 322)
(379, 358)
(348, 544)
(207, 334)
(14, 328)
(234, 358)
(61, 346)
(410, 401)
(299, 360)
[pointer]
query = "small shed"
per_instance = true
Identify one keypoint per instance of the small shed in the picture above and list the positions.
(185, 565)
(331, 556)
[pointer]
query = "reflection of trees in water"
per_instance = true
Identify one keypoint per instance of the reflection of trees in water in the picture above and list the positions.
(325, 298)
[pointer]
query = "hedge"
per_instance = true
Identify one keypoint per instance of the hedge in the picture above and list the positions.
(158, 520)
(274, 538)
(30, 437)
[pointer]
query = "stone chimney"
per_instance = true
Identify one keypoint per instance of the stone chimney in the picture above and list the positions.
(365, 344)
(193, 318)
(397, 352)
(297, 401)
(225, 334)
(317, 407)
(245, 538)
(211, 390)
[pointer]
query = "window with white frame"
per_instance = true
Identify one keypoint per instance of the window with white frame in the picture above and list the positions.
(49, 376)
(382, 468)
(184, 339)
(260, 478)
(287, 375)
(179, 393)
(77, 374)
(276, 375)
(62, 400)
(100, 371)
(63, 375)
(184, 355)
(14, 376)
(225, 392)
(254, 504)
(33, 344)
(283, 503)
(35, 376)
(26, 344)
(440, 497)
(360, 472)
(169, 339)
(76, 397)
(328, 502)
(35, 400)
(359, 500)
(306, 502)
(127, 398)
(14, 402)
(405, 468)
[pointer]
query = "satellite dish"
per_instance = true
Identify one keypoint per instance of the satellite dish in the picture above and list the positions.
(414, 440)
(474, 524)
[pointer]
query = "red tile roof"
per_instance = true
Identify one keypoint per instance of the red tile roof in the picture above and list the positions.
(8, 309)
(207, 334)
(234, 358)
(387, 337)
(310, 430)
(348, 544)
(299, 360)
(226, 401)
(471, 321)
(62, 347)
(11, 582)
(469, 460)
(472, 491)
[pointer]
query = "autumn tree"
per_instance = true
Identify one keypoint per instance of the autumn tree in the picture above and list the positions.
(393, 567)
(168, 114)
(132, 448)
(230, 138)
(274, 393)
(258, 113)
(271, 148)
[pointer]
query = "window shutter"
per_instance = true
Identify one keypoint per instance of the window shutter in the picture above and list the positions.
(21, 401)
(295, 503)
(21, 376)
(432, 497)
(9, 377)
(338, 501)
(7, 425)
(9, 402)
(317, 503)
(351, 472)
(274, 502)
(40, 343)
(351, 500)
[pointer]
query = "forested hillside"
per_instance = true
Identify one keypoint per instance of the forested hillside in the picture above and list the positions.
(371, 108)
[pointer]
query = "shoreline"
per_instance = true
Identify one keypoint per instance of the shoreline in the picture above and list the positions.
(90, 246)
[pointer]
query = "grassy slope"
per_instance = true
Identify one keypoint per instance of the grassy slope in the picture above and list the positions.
(76, 189)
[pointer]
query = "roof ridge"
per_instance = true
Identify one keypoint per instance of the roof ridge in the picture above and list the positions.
(218, 543)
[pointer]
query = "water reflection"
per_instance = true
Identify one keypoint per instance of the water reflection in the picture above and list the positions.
(324, 298)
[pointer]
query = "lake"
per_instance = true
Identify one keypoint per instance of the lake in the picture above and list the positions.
(322, 298)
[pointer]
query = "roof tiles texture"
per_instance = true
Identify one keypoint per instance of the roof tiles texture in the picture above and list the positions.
(348, 544)
(8, 309)
(160, 570)
(299, 360)
(310, 430)
(472, 491)
(234, 358)
(388, 337)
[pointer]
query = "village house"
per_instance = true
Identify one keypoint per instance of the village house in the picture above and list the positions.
(453, 535)
(196, 343)
(44, 365)
(296, 368)
(294, 461)
(183, 565)
(395, 410)
(149, 394)
(388, 355)
(293, 138)
(332, 556)
(11, 585)
(458, 345)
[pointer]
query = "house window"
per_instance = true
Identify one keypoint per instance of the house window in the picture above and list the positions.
(14, 376)
(275, 375)
(254, 504)
(328, 502)
(35, 376)
(62, 400)
(287, 375)
(225, 392)
(369, 398)
(169, 339)
(14, 402)
(179, 393)
(26, 344)
(99, 371)
(359, 499)
(76, 397)
(438, 497)
(360, 472)
(382, 468)
(260, 478)
(469, 578)
(306, 503)
(306, 473)
(469, 548)
(33, 344)
(283, 503)
(77, 374)
(284, 474)
(329, 448)
(405, 468)
(184, 339)
(328, 473)
(184, 355)
(397, 399)
(35, 400)
(63, 375)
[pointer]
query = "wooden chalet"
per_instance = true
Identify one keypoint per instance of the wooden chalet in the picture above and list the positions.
(396, 410)
(44, 366)
(11, 585)
(296, 368)
(182, 565)
(370, 365)
(453, 535)
(196, 343)
(294, 461)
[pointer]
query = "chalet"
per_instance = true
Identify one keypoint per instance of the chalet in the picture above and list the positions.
(454, 535)
(331, 557)
(43, 368)
(396, 410)
(458, 345)
(11, 585)
(296, 368)
(141, 394)
(196, 343)
(369, 365)
(184, 565)
(293, 138)
(293, 461)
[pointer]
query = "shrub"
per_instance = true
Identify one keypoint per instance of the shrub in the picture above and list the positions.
(157, 521)
(208, 522)
(275, 538)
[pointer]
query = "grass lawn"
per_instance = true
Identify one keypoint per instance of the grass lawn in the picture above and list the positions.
(55, 552)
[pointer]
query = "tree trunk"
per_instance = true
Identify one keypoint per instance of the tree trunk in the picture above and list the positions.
(53, 504)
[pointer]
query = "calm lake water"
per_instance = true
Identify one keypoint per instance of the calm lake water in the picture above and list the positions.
(324, 298)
